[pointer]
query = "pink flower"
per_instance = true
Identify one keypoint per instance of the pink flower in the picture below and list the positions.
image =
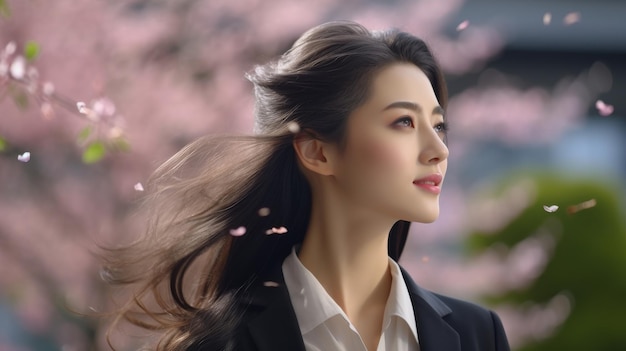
(18, 68)
(48, 88)
(9, 49)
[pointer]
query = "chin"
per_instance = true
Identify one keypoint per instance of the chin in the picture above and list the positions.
(424, 216)
(427, 220)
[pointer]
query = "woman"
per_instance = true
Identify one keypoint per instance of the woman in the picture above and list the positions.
(288, 240)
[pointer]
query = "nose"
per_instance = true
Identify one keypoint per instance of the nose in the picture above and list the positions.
(433, 149)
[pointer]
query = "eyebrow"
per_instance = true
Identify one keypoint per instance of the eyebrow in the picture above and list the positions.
(438, 110)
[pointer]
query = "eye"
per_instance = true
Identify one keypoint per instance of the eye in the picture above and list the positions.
(404, 122)
(441, 128)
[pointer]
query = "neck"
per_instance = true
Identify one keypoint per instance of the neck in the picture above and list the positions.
(347, 253)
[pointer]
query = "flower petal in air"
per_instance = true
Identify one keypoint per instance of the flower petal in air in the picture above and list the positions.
(550, 209)
(276, 230)
(25, 157)
(462, 26)
(603, 108)
(139, 187)
(582, 206)
(547, 18)
(264, 211)
(279, 230)
(293, 127)
(571, 18)
(238, 231)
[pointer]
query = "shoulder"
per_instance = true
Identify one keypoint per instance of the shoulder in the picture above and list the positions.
(265, 305)
(477, 327)
(475, 324)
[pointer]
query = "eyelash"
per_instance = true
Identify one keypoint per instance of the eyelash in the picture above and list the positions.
(404, 119)
(439, 128)
(442, 128)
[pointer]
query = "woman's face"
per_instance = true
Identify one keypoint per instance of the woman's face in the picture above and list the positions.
(395, 157)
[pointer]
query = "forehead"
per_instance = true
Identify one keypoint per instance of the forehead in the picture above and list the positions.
(402, 82)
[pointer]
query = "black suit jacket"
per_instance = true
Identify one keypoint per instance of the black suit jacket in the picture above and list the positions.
(443, 323)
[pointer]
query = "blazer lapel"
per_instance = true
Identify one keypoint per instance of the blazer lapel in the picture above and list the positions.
(276, 325)
(433, 332)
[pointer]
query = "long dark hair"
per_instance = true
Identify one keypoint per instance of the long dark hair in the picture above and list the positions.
(193, 261)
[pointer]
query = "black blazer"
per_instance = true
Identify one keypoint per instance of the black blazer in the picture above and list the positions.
(443, 323)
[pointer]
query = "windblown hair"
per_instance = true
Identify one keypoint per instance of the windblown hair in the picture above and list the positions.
(187, 271)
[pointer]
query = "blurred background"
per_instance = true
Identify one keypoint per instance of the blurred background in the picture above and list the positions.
(533, 207)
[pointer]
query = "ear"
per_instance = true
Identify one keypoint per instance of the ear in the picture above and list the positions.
(314, 154)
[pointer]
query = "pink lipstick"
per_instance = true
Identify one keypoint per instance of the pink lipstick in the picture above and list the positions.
(431, 183)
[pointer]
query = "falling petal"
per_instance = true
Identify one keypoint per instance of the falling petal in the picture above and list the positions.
(25, 157)
(462, 26)
(264, 212)
(603, 108)
(280, 230)
(425, 259)
(238, 231)
(138, 187)
(18, 68)
(550, 209)
(271, 284)
(571, 18)
(82, 107)
(582, 206)
(547, 18)
(293, 127)
(276, 230)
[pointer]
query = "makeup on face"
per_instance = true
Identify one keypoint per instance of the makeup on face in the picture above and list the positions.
(396, 157)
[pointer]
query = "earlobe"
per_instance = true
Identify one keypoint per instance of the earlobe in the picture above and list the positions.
(313, 154)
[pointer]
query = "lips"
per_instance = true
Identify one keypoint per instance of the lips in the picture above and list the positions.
(430, 183)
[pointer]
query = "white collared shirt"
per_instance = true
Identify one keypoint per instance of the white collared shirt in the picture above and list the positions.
(324, 325)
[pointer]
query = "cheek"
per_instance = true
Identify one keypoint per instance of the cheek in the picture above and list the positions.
(381, 156)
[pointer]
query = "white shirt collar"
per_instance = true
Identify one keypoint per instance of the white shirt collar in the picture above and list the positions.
(313, 306)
